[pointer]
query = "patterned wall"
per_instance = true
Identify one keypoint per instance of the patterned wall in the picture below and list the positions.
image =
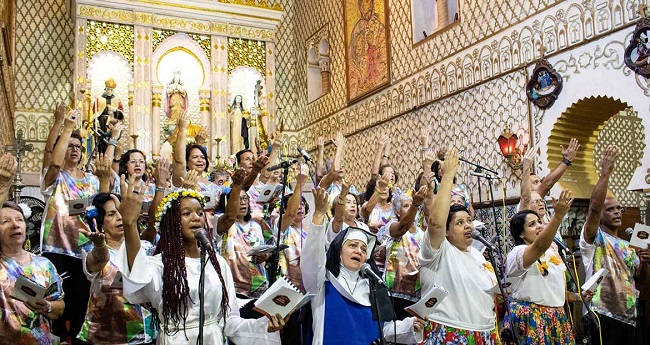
(44, 58)
(467, 80)
(6, 90)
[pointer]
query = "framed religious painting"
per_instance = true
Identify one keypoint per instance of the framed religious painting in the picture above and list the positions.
(544, 86)
(637, 53)
(367, 48)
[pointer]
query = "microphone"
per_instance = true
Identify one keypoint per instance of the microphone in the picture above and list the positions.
(202, 238)
(563, 247)
(367, 271)
(477, 236)
(478, 174)
(282, 165)
(629, 231)
(304, 154)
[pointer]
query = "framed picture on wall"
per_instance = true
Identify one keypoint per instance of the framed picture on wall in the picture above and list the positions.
(367, 48)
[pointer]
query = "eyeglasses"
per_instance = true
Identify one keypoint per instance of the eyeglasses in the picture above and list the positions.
(73, 146)
(134, 162)
(244, 199)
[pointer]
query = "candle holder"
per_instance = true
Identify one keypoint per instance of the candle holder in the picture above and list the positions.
(135, 144)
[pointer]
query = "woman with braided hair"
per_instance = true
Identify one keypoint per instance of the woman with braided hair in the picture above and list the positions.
(170, 279)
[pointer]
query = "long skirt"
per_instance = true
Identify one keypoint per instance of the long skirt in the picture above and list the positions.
(538, 324)
(436, 333)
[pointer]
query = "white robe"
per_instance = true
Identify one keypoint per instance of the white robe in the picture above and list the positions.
(314, 275)
(144, 284)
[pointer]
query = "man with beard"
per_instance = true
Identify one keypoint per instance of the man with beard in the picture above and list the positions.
(615, 300)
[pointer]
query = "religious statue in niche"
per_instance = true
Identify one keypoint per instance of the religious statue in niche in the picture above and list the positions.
(544, 86)
(637, 53)
(238, 125)
(175, 98)
(106, 109)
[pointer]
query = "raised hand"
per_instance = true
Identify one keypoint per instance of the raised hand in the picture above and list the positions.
(183, 120)
(320, 142)
(381, 184)
(8, 167)
(238, 177)
(383, 141)
(71, 119)
(277, 140)
(418, 198)
(424, 136)
(162, 172)
(339, 141)
(450, 166)
(441, 152)
(191, 180)
(428, 157)
(103, 169)
(608, 161)
(571, 151)
(117, 129)
(202, 136)
(98, 238)
(131, 200)
(563, 203)
(259, 164)
(321, 205)
(528, 159)
(59, 113)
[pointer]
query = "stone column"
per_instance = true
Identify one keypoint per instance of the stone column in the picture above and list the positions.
(141, 112)
(269, 121)
(324, 64)
(79, 83)
(204, 108)
(220, 125)
(156, 104)
(442, 10)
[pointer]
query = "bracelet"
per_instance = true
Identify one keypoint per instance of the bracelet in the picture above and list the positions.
(566, 161)
(103, 244)
(116, 160)
(384, 156)
(160, 189)
(112, 142)
(424, 149)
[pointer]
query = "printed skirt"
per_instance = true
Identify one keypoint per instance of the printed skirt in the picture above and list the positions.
(436, 333)
(537, 324)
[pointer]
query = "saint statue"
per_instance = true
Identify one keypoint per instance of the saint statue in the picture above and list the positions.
(105, 108)
(175, 98)
(238, 125)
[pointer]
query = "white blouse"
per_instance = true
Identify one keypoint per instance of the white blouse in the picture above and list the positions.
(143, 283)
(546, 290)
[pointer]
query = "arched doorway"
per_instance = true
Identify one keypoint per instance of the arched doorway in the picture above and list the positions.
(598, 122)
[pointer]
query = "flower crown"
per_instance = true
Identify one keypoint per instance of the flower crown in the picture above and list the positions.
(167, 201)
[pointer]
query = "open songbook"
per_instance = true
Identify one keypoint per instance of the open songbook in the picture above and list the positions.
(281, 298)
(26, 290)
(595, 280)
(428, 302)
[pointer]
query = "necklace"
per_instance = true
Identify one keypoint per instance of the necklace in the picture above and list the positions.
(348, 285)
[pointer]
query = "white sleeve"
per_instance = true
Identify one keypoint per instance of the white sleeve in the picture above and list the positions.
(142, 283)
(47, 191)
(405, 333)
(312, 260)
(428, 255)
(515, 261)
(90, 276)
(244, 331)
(587, 252)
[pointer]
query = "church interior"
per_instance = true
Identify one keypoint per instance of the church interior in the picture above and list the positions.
(537, 74)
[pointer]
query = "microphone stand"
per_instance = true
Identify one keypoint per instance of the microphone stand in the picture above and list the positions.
(275, 261)
(202, 294)
(501, 284)
(375, 308)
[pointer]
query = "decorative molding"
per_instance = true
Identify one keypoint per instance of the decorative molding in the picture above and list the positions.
(269, 5)
(105, 14)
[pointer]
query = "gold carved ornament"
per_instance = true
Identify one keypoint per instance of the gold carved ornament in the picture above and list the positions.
(117, 38)
(242, 52)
